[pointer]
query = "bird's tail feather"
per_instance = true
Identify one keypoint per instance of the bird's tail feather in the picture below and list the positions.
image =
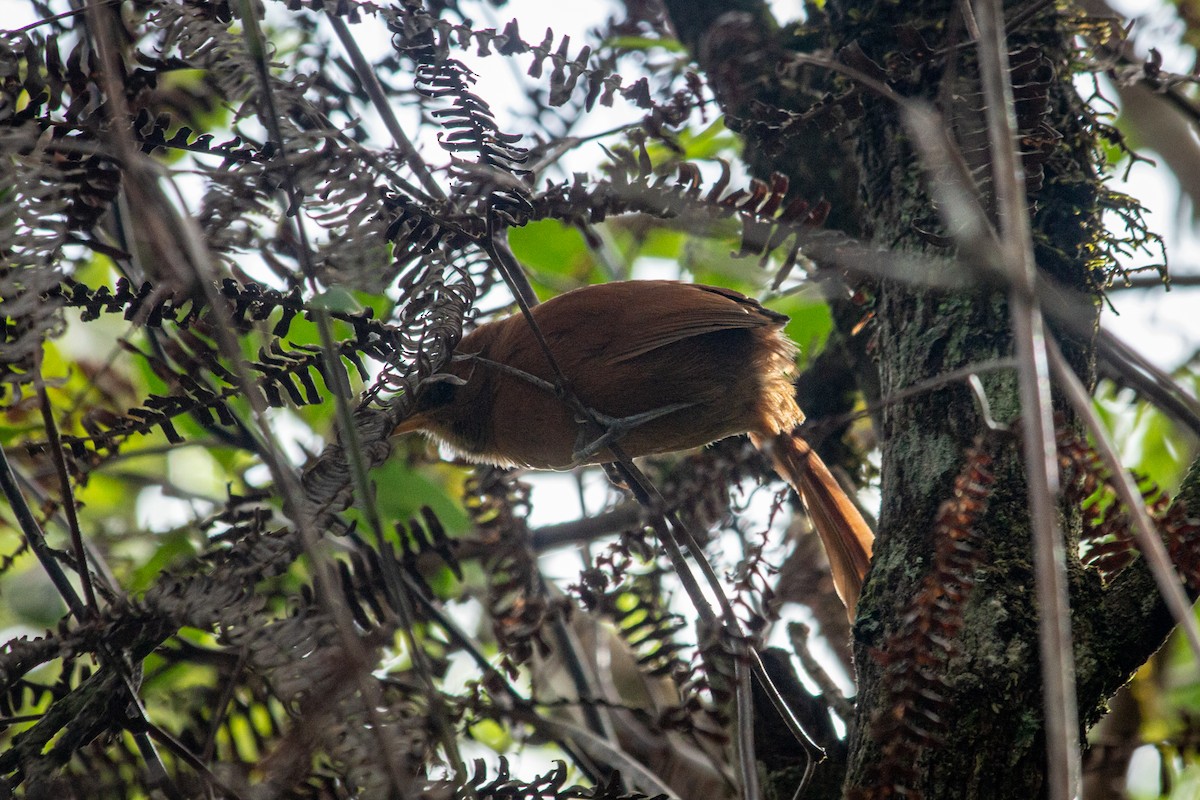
(844, 533)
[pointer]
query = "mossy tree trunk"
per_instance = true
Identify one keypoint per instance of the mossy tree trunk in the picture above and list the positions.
(992, 739)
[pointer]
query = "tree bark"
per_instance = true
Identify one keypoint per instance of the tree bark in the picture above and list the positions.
(990, 741)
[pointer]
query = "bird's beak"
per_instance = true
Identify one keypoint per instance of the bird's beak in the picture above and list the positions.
(416, 422)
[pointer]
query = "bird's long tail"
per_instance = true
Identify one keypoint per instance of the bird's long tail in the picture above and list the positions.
(844, 533)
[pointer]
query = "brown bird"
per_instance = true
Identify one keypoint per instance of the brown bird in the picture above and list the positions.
(666, 366)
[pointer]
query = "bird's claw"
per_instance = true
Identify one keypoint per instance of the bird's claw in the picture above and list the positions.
(615, 428)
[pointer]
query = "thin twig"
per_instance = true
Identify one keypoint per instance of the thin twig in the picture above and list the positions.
(798, 633)
(158, 778)
(1148, 539)
(634, 770)
(103, 575)
(75, 12)
(744, 702)
(586, 529)
(1157, 282)
(37, 539)
(1121, 362)
(939, 381)
(1049, 553)
(180, 751)
(501, 690)
(370, 82)
(66, 491)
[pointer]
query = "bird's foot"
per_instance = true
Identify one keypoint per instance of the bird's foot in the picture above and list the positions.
(617, 427)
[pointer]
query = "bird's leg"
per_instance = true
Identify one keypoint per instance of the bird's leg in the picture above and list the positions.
(615, 428)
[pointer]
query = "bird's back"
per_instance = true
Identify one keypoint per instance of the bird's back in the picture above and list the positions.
(633, 347)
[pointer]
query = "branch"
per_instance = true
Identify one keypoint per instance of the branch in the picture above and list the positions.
(1123, 625)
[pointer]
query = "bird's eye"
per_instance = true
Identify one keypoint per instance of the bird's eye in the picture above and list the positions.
(436, 395)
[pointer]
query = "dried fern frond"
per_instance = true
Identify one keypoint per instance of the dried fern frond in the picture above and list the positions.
(915, 657)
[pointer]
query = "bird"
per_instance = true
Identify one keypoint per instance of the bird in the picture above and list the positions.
(664, 366)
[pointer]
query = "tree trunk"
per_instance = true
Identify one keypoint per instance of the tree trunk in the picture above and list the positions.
(986, 722)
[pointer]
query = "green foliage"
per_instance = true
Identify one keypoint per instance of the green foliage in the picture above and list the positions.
(1148, 441)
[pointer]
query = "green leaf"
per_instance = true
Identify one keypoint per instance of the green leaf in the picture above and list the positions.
(551, 248)
(337, 298)
(710, 143)
(32, 598)
(174, 547)
(490, 734)
(642, 43)
(810, 324)
(401, 493)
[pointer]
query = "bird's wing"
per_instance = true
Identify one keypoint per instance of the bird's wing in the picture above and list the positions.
(663, 320)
